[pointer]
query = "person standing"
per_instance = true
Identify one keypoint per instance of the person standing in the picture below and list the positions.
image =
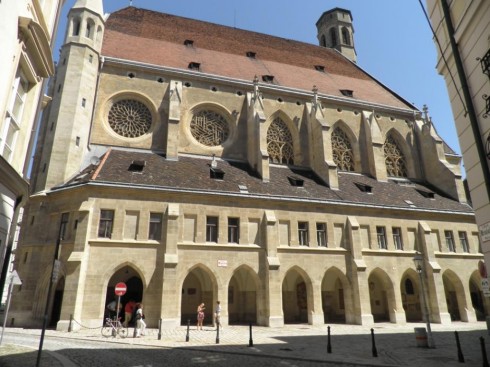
(200, 315)
(128, 312)
(140, 321)
(217, 315)
(111, 307)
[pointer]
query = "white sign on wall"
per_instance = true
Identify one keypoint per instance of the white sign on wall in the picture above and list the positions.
(222, 263)
(484, 232)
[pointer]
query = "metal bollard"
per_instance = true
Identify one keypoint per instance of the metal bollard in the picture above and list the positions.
(188, 326)
(375, 351)
(217, 334)
(160, 329)
(250, 341)
(69, 325)
(460, 352)
(329, 346)
(483, 352)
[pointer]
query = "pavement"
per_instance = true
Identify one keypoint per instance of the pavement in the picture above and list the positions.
(350, 345)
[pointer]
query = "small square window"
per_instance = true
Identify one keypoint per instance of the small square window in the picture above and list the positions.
(463, 240)
(381, 235)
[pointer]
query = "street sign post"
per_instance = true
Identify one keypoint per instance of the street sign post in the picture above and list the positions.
(120, 290)
(13, 279)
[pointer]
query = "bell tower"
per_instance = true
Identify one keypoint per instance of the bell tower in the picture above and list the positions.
(335, 30)
(65, 130)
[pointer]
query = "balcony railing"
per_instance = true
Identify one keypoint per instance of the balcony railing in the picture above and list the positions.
(487, 105)
(485, 63)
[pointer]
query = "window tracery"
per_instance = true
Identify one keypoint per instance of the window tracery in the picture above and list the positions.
(209, 128)
(342, 150)
(280, 143)
(394, 159)
(130, 118)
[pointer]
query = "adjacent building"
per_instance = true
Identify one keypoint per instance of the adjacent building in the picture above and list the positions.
(26, 34)
(197, 162)
(463, 33)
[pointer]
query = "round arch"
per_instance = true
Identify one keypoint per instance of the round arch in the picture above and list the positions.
(297, 296)
(382, 296)
(243, 287)
(198, 286)
(336, 291)
(411, 296)
(454, 291)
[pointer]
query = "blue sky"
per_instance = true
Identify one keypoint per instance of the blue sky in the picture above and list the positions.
(392, 39)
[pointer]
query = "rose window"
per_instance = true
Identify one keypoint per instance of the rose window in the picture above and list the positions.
(130, 118)
(209, 128)
(342, 151)
(394, 159)
(280, 143)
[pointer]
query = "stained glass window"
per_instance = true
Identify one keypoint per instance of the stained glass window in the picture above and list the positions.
(394, 159)
(130, 118)
(209, 128)
(280, 143)
(342, 150)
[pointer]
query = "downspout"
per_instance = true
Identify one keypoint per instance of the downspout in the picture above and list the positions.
(467, 97)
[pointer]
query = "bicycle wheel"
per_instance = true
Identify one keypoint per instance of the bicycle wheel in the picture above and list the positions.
(122, 331)
(107, 331)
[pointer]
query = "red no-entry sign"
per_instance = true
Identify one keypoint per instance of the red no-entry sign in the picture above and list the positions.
(120, 289)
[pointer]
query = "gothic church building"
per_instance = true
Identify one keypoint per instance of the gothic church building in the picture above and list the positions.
(197, 162)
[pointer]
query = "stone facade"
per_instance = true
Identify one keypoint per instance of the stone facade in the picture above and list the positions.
(197, 186)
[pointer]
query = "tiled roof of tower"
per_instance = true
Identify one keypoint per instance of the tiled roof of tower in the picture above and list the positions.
(193, 174)
(158, 39)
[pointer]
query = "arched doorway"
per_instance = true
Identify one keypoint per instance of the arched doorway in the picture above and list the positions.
(410, 290)
(335, 289)
(454, 292)
(381, 295)
(477, 298)
(199, 286)
(57, 303)
(295, 289)
(242, 297)
(134, 285)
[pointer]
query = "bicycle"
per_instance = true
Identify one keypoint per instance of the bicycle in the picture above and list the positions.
(114, 328)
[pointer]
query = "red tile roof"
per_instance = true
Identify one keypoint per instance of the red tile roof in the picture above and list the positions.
(158, 39)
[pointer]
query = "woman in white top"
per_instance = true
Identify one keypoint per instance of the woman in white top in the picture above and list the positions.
(140, 321)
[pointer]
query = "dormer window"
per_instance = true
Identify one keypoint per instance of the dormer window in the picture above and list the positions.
(216, 173)
(296, 181)
(426, 194)
(347, 92)
(320, 68)
(137, 166)
(251, 54)
(189, 43)
(364, 188)
(195, 66)
(268, 78)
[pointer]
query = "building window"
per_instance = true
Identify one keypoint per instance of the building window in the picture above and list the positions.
(84, 102)
(155, 228)
(463, 240)
(333, 37)
(233, 230)
(87, 31)
(15, 110)
(280, 143)
(342, 150)
(450, 241)
(63, 225)
(409, 286)
(381, 234)
(209, 128)
(345, 36)
(397, 238)
(321, 234)
(394, 159)
(130, 118)
(105, 223)
(211, 229)
(76, 27)
(303, 233)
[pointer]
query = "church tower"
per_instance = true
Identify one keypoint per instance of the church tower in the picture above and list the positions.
(335, 30)
(65, 132)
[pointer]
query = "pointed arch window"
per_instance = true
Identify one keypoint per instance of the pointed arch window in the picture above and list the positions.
(280, 143)
(342, 150)
(333, 37)
(394, 159)
(345, 36)
(323, 41)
